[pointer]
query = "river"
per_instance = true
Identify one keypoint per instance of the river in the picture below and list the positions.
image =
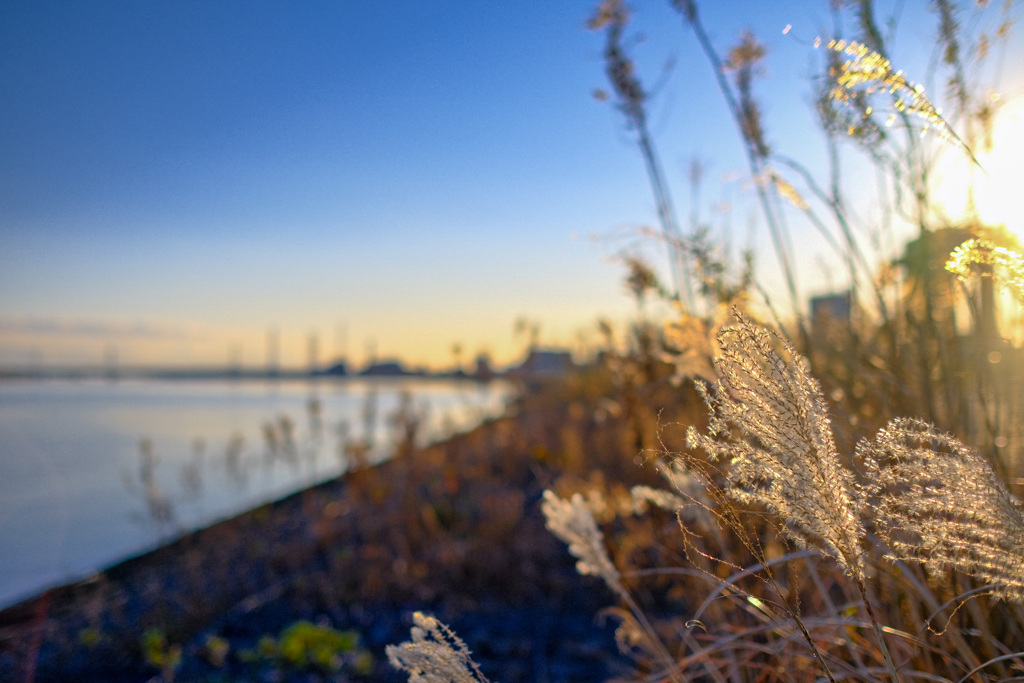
(95, 471)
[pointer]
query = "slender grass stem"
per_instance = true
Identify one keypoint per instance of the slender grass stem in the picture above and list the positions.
(889, 664)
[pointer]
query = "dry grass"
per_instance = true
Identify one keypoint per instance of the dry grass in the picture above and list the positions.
(711, 589)
(800, 533)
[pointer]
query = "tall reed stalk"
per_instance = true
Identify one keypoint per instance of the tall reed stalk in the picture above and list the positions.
(632, 102)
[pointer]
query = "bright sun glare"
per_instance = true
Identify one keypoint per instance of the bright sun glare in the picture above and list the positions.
(996, 188)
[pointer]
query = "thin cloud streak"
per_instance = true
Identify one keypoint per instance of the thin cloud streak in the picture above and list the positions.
(57, 326)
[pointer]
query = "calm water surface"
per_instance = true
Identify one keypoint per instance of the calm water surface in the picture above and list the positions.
(93, 472)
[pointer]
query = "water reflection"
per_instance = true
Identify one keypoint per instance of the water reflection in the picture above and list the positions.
(123, 466)
(159, 509)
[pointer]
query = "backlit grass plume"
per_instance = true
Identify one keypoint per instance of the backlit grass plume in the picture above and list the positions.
(982, 257)
(939, 502)
(572, 522)
(435, 655)
(866, 73)
(769, 422)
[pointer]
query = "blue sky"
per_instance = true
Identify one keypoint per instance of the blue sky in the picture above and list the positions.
(177, 178)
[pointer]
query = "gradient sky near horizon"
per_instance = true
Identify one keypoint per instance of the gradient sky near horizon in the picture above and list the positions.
(176, 179)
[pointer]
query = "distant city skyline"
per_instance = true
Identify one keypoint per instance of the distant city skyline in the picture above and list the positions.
(533, 359)
(268, 355)
(177, 179)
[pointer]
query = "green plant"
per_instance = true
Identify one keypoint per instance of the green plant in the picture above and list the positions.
(160, 653)
(304, 645)
(215, 650)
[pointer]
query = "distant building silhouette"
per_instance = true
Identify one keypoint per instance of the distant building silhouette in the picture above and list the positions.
(337, 369)
(543, 363)
(483, 372)
(837, 307)
(390, 368)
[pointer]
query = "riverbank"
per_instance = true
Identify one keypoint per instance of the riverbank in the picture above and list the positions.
(453, 529)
